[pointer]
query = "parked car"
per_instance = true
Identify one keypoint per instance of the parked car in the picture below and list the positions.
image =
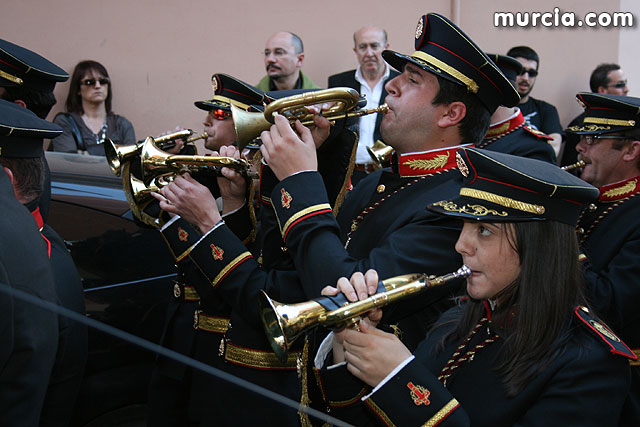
(127, 275)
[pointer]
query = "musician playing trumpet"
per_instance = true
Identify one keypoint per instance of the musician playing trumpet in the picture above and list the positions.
(522, 348)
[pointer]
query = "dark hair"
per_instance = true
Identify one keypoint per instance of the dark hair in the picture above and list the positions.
(600, 76)
(524, 52)
(296, 41)
(475, 124)
(74, 101)
(39, 102)
(542, 297)
(28, 176)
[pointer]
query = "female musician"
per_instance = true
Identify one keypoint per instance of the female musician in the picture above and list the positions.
(88, 120)
(522, 347)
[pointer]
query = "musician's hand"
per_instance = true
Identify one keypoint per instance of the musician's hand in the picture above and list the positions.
(191, 200)
(179, 142)
(233, 185)
(285, 152)
(321, 126)
(372, 354)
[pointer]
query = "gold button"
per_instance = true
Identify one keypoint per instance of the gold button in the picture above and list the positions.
(176, 290)
(580, 230)
(381, 188)
(592, 207)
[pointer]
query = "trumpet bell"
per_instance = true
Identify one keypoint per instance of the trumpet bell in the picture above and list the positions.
(380, 153)
(248, 125)
(283, 323)
(117, 155)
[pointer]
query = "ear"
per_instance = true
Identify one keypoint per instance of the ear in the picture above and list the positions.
(452, 114)
(12, 179)
(300, 59)
(631, 152)
(602, 89)
(20, 102)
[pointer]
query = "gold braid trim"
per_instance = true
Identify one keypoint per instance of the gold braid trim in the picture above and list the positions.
(229, 266)
(347, 179)
(471, 85)
(383, 416)
(502, 201)
(302, 373)
(610, 122)
(453, 404)
(302, 213)
(259, 359)
(190, 294)
(213, 324)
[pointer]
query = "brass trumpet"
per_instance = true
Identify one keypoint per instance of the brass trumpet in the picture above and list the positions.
(117, 155)
(283, 324)
(249, 125)
(156, 162)
(381, 154)
(577, 165)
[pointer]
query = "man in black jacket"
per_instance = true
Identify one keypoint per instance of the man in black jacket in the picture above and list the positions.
(368, 79)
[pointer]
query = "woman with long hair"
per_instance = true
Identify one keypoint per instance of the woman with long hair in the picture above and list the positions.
(522, 347)
(89, 120)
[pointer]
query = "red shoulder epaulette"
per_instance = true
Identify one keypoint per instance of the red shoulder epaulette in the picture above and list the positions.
(604, 333)
(538, 134)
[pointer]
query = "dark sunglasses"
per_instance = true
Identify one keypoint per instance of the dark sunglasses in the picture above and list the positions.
(532, 73)
(620, 85)
(220, 114)
(91, 82)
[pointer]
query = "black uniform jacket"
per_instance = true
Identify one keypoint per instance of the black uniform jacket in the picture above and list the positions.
(609, 233)
(28, 335)
(516, 138)
(584, 386)
(383, 224)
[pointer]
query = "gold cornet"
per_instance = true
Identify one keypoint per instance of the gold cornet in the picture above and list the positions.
(117, 155)
(156, 162)
(283, 324)
(577, 165)
(249, 125)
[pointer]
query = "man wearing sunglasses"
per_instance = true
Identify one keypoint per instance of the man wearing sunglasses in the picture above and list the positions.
(537, 113)
(605, 79)
(608, 230)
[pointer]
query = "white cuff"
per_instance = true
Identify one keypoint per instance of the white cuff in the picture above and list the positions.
(397, 369)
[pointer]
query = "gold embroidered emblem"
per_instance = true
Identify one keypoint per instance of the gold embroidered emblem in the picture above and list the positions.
(625, 189)
(588, 128)
(419, 28)
(437, 162)
(419, 394)
(604, 331)
(380, 188)
(217, 252)
(462, 166)
(214, 84)
(182, 235)
(475, 210)
(499, 130)
(285, 198)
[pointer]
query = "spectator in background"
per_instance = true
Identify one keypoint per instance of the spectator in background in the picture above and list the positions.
(368, 79)
(605, 79)
(537, 113)
(283, 58)
(88, 120)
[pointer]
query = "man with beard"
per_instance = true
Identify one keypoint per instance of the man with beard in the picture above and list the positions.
(368, 79)
(537, 113)
(283, 58)
(608, 229)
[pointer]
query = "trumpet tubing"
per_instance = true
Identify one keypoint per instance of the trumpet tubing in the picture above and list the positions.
(284, 323)
(577, 165)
